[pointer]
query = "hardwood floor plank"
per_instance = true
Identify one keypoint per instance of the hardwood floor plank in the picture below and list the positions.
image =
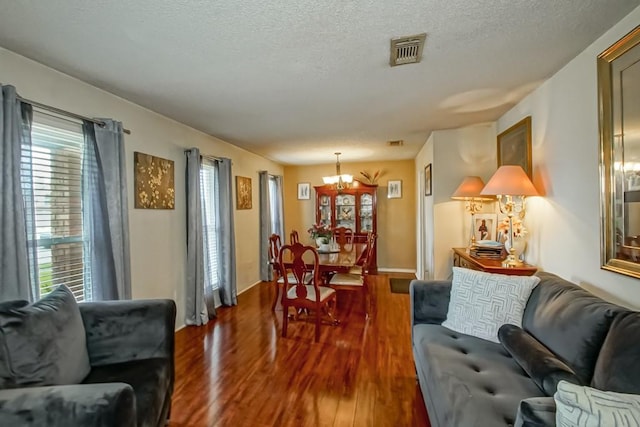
(239, 371)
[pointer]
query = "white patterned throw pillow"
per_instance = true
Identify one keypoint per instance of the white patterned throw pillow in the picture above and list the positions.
(578, 406)
(482, 302)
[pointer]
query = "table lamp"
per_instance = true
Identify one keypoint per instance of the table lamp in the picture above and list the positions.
(469, 191)
(511, 185)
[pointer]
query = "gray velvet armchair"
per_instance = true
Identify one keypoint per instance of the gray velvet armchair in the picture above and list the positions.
(130, 347)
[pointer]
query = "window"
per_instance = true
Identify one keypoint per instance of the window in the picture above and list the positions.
(275, 205)
(209, 189)
(51, 174)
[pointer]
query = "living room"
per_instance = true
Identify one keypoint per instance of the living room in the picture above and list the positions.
(417, 231)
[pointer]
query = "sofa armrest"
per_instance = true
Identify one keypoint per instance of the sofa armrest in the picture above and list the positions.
(429, 301)
(123, 331)
(536, 412)
(100, 405)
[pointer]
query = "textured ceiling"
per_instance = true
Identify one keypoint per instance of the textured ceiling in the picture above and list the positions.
(297, 80)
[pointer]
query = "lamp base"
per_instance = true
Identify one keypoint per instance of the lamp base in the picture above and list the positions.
(511, 261)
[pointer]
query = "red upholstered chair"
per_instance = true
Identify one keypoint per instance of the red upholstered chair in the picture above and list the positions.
(358, 281)
(305, 292)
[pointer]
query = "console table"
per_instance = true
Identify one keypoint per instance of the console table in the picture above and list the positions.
(461, 258)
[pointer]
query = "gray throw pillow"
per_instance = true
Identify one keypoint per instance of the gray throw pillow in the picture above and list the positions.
(542, 366)
(43, 343)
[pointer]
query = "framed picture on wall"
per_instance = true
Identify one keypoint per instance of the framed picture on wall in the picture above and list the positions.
(394, 189)
(304, 190)
(514, 145)
(154, 185)
(243, 192)
(427, 180)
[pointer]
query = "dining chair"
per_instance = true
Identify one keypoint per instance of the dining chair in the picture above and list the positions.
(306, 292)
(358, 280)
(293, 237)
(343, 235)
(275, 243)
(274, 250)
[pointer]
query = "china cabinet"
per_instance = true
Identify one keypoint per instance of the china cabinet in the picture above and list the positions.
(353, 207)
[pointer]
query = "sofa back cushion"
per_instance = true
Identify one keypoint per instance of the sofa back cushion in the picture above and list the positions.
(43, 343)
(617, 368)
(569, 321)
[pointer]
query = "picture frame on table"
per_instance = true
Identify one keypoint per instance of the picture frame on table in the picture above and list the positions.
(427, 180)
(514, 146)
(304, 191)
(485, 226)
(394, 189)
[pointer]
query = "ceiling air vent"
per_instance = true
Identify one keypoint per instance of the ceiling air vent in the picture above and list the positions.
(407, 50)
(396, 143)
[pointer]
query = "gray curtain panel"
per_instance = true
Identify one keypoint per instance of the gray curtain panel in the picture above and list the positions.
(15, 130)
(196, 312)
(105, 212)
(227, 261)
(265, 225)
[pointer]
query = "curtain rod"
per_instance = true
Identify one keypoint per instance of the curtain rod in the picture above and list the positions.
(207, 156)
(66, 113)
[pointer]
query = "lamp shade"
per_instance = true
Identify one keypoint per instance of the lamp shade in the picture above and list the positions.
(470, 188)
(509, 180)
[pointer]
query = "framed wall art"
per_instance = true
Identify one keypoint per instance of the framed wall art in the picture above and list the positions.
(514, 145)
(427, 180)
(394, 189)
(243, 192)
(154, 186)
(304, 191)
(619, 91)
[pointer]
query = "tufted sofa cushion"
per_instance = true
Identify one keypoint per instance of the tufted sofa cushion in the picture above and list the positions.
(468, 380)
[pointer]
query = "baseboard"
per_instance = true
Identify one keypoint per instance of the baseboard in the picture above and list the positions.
(181, 327)
(249, 287)
(396, 270)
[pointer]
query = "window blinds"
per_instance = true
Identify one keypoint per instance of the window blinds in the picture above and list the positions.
(210, 222)
(51, 172)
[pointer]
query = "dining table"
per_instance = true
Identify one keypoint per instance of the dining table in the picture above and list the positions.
(340, 260)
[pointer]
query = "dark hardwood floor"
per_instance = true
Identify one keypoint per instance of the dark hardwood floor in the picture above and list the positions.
(239, 371)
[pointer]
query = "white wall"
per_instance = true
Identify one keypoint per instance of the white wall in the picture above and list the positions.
(454, 154)
(158, 238)
(457, 153)
(424, 263)
(565, 223)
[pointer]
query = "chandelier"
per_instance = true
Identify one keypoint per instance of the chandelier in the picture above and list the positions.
(341, 181)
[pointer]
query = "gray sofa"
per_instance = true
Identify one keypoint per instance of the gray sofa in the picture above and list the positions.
(130, 363)
(567, 334)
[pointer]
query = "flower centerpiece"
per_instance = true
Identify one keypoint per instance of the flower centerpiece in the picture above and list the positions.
(519, 230)
(321, 233)
(519, 235)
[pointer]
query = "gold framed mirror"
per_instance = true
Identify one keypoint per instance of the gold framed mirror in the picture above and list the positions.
(619, 107)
